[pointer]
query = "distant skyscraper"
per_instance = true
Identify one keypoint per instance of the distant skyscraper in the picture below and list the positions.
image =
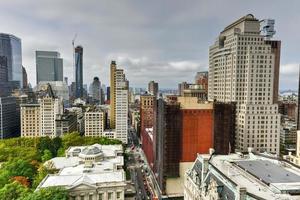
(49, 66)
(78, 72)
(242, 67)
(25, 79)
(96, 90)
(11, 48)
(153, 88)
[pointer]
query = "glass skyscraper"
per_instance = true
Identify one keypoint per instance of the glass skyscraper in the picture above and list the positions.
(10, 47)
(49, 66)
(78, 72)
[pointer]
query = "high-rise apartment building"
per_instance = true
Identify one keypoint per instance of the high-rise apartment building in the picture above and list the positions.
(11, 48)
(9, 118)
(241, 70)
(49, 66)
(153, 88)
(94, 123)
(78, 72)
(118, 102)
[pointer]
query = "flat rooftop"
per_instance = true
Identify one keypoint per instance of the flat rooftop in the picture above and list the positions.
(268, 172)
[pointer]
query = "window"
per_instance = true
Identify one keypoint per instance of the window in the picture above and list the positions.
(118, 195)
(110, 196)
(90, 197)
(81, 197)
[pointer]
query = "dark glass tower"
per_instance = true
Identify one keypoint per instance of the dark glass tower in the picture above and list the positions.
(78, 72)
(10, 47)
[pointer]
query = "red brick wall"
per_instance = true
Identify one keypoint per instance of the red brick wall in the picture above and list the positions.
(197, 130)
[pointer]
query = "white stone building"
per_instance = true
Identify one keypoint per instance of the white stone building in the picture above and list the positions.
(241, 176)
(241, 70)
(89, 173)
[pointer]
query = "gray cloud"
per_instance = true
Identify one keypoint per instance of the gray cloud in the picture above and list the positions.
(166, 41)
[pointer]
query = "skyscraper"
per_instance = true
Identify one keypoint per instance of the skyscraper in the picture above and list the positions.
(96, 90)
(153, 88)
(241, 70)
(78, 72)
(118, 102)
(10, 47)
(25, 79)
(49, 66)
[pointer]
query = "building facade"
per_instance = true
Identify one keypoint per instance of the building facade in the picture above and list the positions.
(9, 118)
(241, 69)
(94, 123)
(49, 66)
(89, 172)
(11, 48)
(30, 120)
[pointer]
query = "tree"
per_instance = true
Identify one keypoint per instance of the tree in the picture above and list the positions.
(13, 191)
(47, 155)
(57, 143)
(51, 193)
(21, 180)
(18, 168)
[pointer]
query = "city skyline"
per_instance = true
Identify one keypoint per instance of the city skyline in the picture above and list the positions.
(166, 37)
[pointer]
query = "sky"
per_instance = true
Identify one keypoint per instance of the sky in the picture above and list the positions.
(162, 40)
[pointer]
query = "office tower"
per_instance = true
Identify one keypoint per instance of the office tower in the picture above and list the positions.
(96, 90)
(148, 111)
(118, 102)
(11, 48)
(9, 126)
(241, 70)
(153, 88)
(25, 79)
(94, 123)
(78, 72)
(30, 120)
(49, 66)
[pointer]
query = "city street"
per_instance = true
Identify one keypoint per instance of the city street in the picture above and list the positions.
(134, 166)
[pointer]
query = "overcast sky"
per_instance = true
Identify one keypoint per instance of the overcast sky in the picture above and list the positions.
(162, 40)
